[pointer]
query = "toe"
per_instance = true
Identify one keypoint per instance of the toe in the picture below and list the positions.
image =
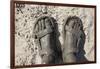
(39, 24)
(36, 28)
(42, 24)
(47, 22)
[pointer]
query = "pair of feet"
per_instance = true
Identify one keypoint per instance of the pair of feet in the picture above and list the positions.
(44, 33)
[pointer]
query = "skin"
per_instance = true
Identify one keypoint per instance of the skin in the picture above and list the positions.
(71, 40)
(48, 50)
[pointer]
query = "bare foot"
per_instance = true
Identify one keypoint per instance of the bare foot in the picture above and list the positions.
(73, 31)
(44, 31)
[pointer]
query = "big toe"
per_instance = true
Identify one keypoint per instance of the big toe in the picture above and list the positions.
(48, 23)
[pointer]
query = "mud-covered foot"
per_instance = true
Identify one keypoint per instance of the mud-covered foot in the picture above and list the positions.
(73, 39)
(44, 31)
